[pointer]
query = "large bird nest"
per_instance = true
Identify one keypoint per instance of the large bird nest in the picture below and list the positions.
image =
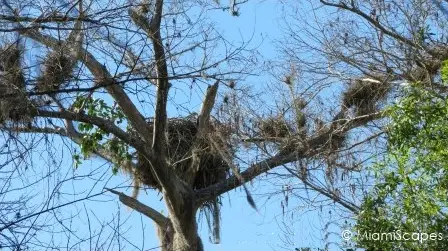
(181, 134)
(14, 104)
(274, 127)
(57, 69)
(181, 137)
(365, 94)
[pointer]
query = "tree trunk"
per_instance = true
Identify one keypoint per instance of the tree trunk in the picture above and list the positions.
(170, 240)
(180, 232)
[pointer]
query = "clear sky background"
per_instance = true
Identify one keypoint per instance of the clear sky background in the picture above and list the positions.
(242, 227)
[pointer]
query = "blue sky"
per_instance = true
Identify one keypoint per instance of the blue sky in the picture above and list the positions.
(242, 227)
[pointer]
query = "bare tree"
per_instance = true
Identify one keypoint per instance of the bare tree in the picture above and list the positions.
(105, 79)
(356, 58)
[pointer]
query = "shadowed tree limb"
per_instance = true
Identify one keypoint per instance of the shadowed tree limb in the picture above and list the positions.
(228, 159)
(203, 126)
(308, 149)
(157, 217)
(206, 109)
(178, 195)
(102, 76)
(165, 176)
(104, 124)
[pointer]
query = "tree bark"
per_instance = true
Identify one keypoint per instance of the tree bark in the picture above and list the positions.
(177, 232)
(170, 240)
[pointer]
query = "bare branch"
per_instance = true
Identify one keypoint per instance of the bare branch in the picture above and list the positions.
(350, 206)
(157, 217)
(374, 22)
(203, 123)
(103, 77)
(206, 109)
(172, 185)
(306, 150)
(225, 155)
(104, 124)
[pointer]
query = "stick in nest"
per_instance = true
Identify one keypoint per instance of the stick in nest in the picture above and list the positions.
(57, 70)
(14, 106)
(226, 157)
(363, 94)
(59, 64)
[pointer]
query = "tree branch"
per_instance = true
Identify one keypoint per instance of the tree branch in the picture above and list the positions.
(152, 30)
(104, 124)
(374, 22)
(202, 128)
(346, 204)
(160, 118)
(47, 19)
(104, 78)
(174, 188)
(157, 217)
(206, 109)
(166, 177)
(308, 149)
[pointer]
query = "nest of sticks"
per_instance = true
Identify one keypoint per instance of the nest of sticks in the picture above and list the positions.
(181, 137)
(274, 127)
(181, 134)
(56, 70)
(365, 94)
(14, 103)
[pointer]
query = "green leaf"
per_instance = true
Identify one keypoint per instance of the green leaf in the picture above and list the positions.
(444, 72)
